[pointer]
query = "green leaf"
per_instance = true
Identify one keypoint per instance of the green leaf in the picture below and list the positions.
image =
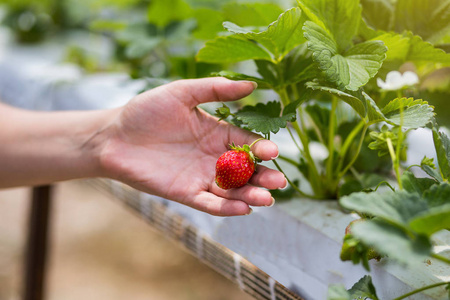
(222, 112)
(319, 40)
(396, 207)
(354, 99)
(412, 184)
(433, 221)
(392, 241)
(298, 65)
(262, 84)
(422, 214)
(231, 49)
(291, 108)
(364, 60)
(442, 146)
(412, 48)
(397, 44)
(350, 69)
(380, 140)
(137, 31)
(437, 217)
(363, 289)
(428, 166)
(251, 14)
(107, 25)
(428, 161)
(422, 51)
(180, 31)
(378, 14)
(416, 113)
(264, 118)
(338, 292)
(163, 12)
(429, 19)
(340, 19)
(432, 172)
(280, 37)
(209, 23)
(140, 48)
(374, 113)
(269, 71)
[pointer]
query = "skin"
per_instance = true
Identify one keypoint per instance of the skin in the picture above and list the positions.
(160, 142)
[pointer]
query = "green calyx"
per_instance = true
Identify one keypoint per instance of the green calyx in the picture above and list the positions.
(247, 149)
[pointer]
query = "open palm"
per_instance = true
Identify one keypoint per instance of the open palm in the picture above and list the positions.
(161, 143)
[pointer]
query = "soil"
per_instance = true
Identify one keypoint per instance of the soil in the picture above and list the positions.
(99, 250)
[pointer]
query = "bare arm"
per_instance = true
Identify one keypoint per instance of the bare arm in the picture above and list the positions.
(44, 147)
(159, 143)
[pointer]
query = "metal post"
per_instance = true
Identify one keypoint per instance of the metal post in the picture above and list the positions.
(37, 240)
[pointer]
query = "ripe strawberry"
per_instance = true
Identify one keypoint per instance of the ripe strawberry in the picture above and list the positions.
(235, 167)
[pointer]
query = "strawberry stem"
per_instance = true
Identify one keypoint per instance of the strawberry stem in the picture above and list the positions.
(256, 142)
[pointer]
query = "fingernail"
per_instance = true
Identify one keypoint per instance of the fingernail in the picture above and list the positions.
(255, 85)
(250, 211)
(275, 157)
(273, 202)
(285, 186)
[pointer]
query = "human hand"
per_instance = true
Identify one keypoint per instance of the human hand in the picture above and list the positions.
(162, 144)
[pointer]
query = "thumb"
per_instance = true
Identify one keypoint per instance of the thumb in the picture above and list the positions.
(215, 89)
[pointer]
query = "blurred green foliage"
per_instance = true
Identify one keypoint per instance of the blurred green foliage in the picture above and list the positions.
(160, 38)
(152, 38)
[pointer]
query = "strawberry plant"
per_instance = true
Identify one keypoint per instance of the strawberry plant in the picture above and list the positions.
(322, 64)
(326, 61)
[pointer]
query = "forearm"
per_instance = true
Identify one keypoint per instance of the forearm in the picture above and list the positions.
(44, 147)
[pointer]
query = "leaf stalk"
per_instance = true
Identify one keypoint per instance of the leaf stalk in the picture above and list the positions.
(421, 290)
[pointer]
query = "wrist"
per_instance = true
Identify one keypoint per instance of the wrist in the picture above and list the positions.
(95, 142)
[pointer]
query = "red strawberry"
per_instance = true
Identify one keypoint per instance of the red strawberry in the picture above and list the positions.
(235, 167)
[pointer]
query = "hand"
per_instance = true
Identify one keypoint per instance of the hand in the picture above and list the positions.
(162, 144)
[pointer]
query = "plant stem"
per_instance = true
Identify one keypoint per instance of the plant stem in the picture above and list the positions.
(395, 162)
(255, 141)
(295, 187)
(295, 142)
(295, 91)
(284, 97)
(441, 258)
(331, 133)
(288, 160)
(347, 143)
(399, 142)
(421, 290)
(314, 178)
(355, 157)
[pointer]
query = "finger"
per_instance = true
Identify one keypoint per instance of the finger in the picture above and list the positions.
(197, 91)
(264, 149)
(268, 178)
(251, 195)
(219, 206)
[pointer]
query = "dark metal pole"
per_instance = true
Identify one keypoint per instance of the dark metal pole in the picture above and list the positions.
(37, 240)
